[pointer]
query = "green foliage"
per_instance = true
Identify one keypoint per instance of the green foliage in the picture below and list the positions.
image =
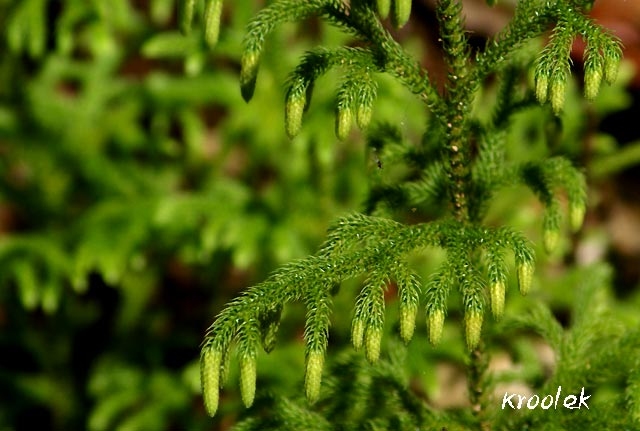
(128, 168)
(374, 397)
(379, 248)
(584, 351)
(359, 395)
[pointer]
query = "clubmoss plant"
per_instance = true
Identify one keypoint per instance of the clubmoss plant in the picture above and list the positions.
(461, 164)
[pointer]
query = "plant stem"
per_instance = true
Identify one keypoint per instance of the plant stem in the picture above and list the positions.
(476, 383)
(459, 95)
(393, 58)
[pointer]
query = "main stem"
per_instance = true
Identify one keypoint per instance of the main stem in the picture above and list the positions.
(477, 385)
(460, 91)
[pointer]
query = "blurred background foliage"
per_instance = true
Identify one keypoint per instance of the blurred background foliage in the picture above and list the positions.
(139, 193)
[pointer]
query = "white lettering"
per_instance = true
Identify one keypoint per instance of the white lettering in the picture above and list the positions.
(583, 399)
(532, 402)
(570, 405)
(555, 406)
(506, 400)
(550, 397)
(531, 407)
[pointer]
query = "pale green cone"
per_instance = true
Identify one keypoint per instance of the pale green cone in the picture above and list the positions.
(363, 116)
(357, 333)
(293, 110)
(611, 66)
(210, 362)
(435, 323)
(248, 379)
(212, 14)
(344, 118)
(524, 271)
(407, 321)
(473, 328)
(185, 15)
(249, 73)
(383, 7)
(557, 95)
(313, 376)
(497, 292)
(372, 343)
(401, 12)
(592, 81)
(542, 88)
(550, 239)
(577, 211)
